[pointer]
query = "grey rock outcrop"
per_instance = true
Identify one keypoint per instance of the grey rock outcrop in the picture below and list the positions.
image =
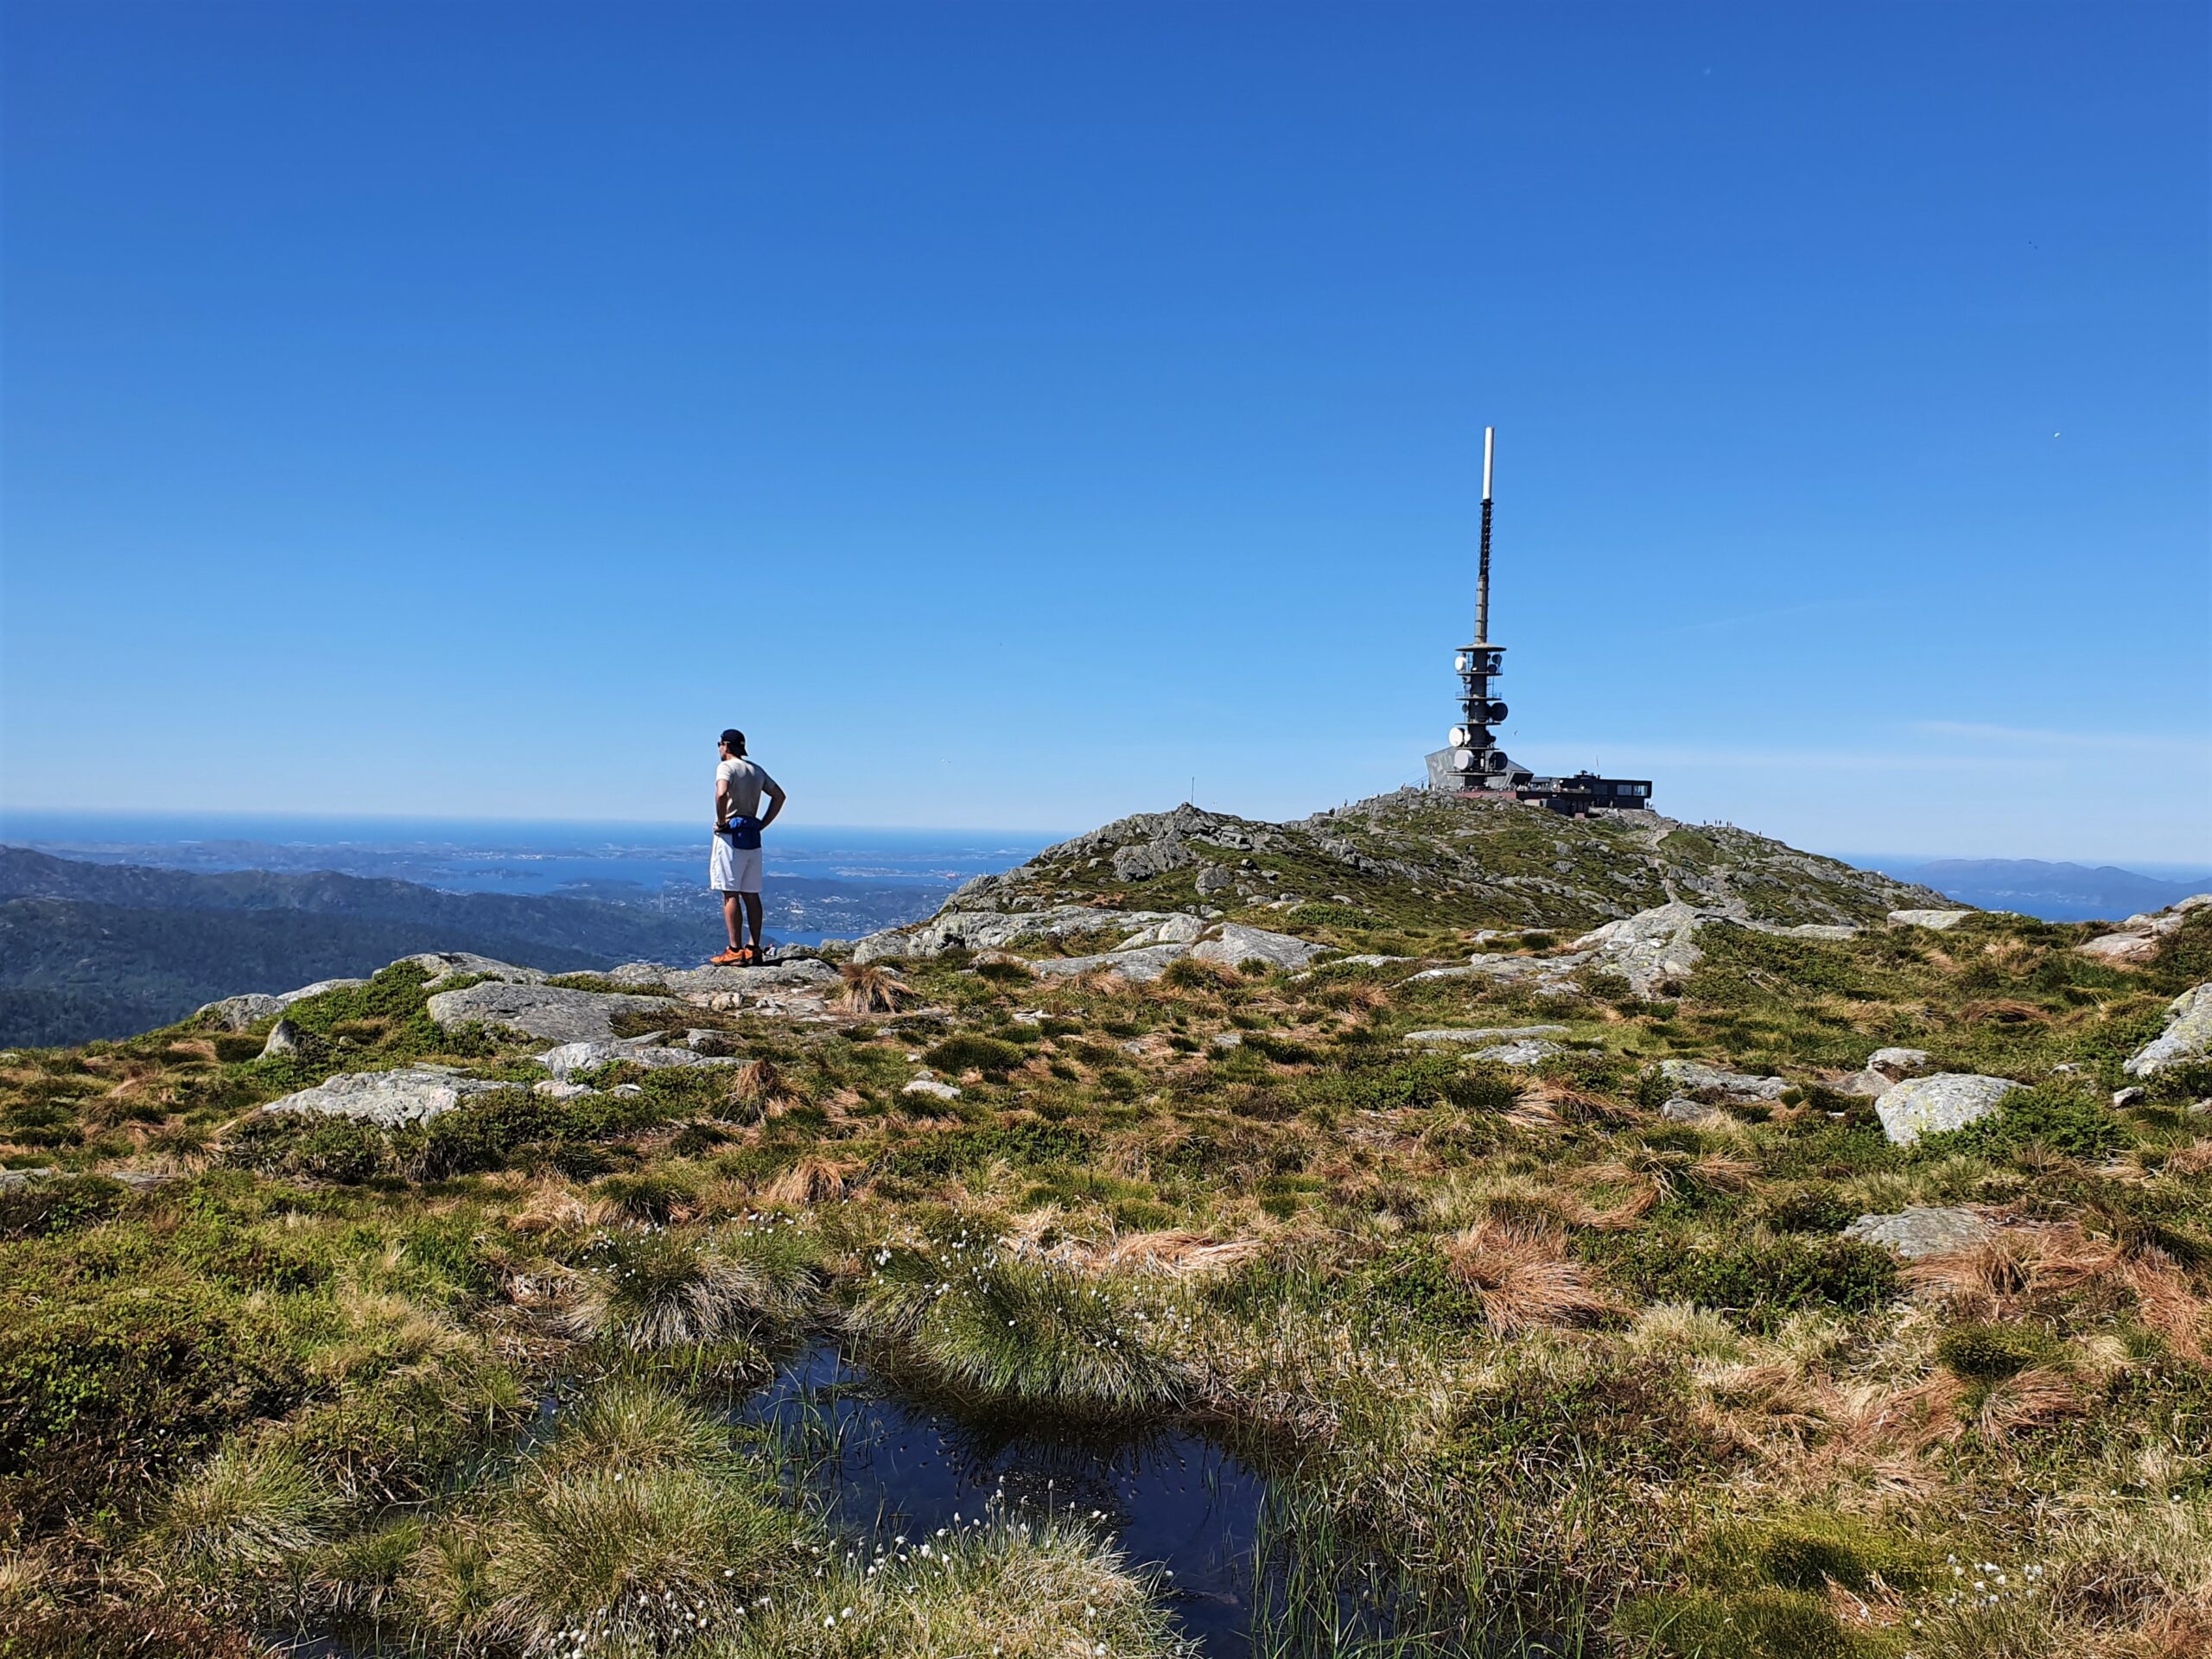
(237, 1012)
(1140, 966)
(386, 1098)
(1938, 919)
(1949, 1100)
(284, 1039)
(1652, 948)
(993, 930)
(2136, 941)
(552, 1013)
(444, 965)
(1141, 860)
(1883, 1067)
(1694, 1078)
(2187, 1035)
(936, 1088)
(1920, 1230)
(1693, 1112)
(1237, 944)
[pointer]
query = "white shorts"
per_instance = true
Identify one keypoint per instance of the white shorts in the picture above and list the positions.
(732, 868)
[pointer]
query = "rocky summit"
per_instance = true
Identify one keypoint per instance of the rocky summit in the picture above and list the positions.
(1645, 1234)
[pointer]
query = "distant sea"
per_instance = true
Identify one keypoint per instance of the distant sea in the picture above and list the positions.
(619, 863)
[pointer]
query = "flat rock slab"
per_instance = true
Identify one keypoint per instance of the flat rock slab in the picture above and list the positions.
(572, 1058)
(1949, 1100)
(994, 929)
(288, 998)
(1938, 919)
(1694, 1078)
(932, 1087)
(387, 1098)
(545, 1012)
(1237, 944)
(1920, 1230)
(237, 1012)
(1147, 963)
(2187, 1035)
(1679, 1110)
(1529, 1051)
(1483, 1033)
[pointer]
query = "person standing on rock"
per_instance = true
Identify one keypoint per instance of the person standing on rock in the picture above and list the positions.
(734, 866)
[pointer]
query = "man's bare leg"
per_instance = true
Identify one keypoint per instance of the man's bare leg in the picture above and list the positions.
(729, 917)
(753, 915)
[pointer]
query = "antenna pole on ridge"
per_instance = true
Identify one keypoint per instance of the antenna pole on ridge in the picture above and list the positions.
(1482, 577)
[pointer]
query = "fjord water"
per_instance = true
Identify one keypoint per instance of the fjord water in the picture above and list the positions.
(458, 855)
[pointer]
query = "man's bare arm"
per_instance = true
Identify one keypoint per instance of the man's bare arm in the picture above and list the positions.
(776, 798)
(722, 804)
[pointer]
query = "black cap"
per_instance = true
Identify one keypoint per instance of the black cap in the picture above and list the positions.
(735, 739)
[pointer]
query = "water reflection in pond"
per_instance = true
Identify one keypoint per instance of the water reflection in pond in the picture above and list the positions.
(1167, 1496)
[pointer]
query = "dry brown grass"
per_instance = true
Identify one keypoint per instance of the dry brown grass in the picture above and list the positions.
(810, 1180)
(2034, 1399)
(1521, 1274)
(870, 988)
(1176, 1252)
(2023, 1267)
(756, 1081)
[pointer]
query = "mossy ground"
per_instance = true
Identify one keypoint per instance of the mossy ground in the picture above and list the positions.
(1510, 1346)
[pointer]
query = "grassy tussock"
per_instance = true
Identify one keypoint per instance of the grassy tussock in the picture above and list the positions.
(1021, 1589)
(1023, 1330)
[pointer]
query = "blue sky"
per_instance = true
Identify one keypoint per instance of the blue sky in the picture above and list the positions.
(1010, 414)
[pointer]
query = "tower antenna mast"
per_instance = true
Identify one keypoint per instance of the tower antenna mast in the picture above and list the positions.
(1482, 576)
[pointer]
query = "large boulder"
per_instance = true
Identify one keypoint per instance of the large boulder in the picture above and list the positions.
(1712, 1082)
(1653, 948)
(551, 1014)
(387, 1098)
(1949, 1100)
(1938, 919)
(1920, 1230)
(2187, 1035)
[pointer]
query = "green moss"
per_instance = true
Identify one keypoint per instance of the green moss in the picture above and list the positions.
(1755, 1280)
(1982, 1352)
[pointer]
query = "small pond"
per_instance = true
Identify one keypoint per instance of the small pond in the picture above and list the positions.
(1169, 1498)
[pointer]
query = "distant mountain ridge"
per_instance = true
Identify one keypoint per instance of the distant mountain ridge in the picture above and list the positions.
(104, 950)
(2054, 891)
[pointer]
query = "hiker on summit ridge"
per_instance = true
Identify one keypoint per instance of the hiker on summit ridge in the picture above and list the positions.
(733, 866)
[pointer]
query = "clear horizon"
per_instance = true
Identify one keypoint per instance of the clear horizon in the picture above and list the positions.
(1008, 412)
(25, 823)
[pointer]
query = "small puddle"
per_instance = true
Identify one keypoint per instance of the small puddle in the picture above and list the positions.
(1168, 1497)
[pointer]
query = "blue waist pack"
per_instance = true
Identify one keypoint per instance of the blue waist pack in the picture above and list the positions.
(744, 833)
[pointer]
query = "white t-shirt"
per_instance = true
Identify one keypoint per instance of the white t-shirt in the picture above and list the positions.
(748, 780)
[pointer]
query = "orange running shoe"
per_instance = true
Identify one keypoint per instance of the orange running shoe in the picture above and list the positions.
(729, 959)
